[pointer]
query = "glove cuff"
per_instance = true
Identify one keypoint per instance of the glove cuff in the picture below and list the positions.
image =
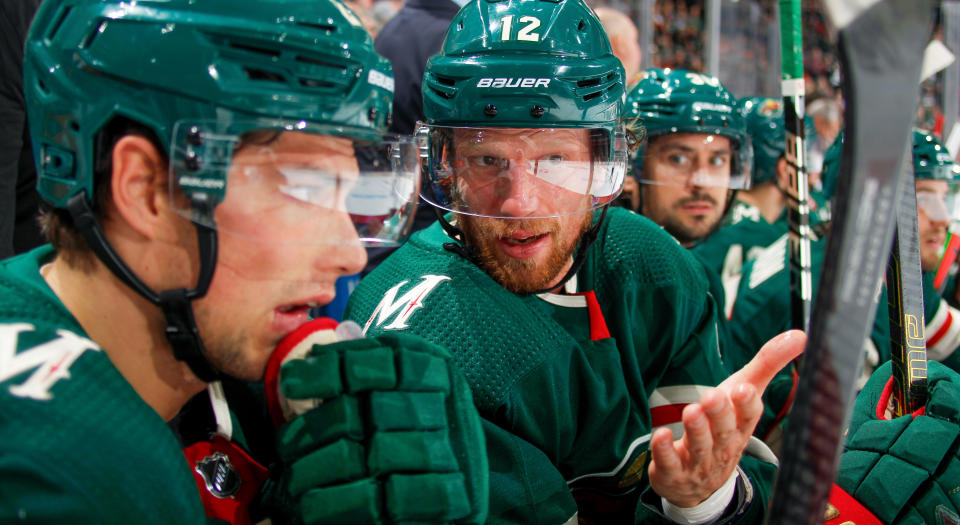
(271, 377)
(884, 409)
(843, 508)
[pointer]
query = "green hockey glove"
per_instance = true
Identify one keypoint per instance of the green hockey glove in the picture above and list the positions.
(379, 431)
(905, 470)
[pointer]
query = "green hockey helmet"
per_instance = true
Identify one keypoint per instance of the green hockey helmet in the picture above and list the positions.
(204, 76)
(524, 72)
(666, 101)
(270, 114)
(764, 118)
(932, 161)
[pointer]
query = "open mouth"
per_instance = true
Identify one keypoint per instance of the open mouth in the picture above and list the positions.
(288, 308)
(522, 239)
(289, 317)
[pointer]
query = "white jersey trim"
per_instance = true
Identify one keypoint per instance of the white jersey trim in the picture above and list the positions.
(674, 395)
(947, 320)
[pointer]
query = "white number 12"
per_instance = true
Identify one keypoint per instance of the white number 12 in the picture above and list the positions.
(525, 33)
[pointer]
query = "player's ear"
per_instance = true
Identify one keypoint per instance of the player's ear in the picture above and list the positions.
(138, 186)
(783, 175)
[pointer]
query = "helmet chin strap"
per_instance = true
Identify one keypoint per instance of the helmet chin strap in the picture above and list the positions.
(181, 330)
(586, 240)
(463, 249)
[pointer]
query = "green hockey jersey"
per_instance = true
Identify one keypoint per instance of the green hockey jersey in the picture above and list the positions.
(569, 385)
(77, 444)
(727, 249)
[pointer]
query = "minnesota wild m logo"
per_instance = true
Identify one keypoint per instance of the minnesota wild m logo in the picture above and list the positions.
(405, 306)
(51, 359)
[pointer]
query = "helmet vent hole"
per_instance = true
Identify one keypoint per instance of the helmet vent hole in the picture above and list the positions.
(88, 41)
(42, 86)
(592, 96)
(254, 49)
(582, 25)
(588, 82)
(323, 27)
(446, 81)
(318, 62)
(442, 94)
(313, 83)
(64, 12)
(74, 125)
(460, 25)
(260, 74)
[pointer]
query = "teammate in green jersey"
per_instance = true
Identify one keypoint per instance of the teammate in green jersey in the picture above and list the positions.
(938, 184)
(585, 332)
(697, 151)
(211, 169)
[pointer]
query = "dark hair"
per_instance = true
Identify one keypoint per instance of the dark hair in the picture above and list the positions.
(57, 224)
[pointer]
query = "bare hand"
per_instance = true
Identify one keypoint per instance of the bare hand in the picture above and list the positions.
(718, 428)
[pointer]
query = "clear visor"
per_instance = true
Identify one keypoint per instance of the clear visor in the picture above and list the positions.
(938, 207)
(523, 172)
(696, 159)
(283, 183)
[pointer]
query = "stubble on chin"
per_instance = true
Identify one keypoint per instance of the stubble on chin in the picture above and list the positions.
(520, 276)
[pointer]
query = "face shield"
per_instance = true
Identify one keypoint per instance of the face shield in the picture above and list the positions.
(523, 172)
(696, 159)
(938, 205)
(289, 187)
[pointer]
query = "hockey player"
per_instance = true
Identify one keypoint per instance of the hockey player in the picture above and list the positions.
(758, 216)
(212, 168)
(585, 331)
(938, 183)
(697, 151)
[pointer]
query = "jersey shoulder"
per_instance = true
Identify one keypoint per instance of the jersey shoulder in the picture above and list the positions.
(631, 249)
(81, 443)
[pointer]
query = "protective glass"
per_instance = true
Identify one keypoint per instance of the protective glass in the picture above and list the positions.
(294, 183)
(523, 172)
(696, 159)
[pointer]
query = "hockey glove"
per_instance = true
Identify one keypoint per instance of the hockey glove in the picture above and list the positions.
(905, 470)
(380, 430)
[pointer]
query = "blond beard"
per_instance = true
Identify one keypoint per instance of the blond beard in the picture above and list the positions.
(520, 276)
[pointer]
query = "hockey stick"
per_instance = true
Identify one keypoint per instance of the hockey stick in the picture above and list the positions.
(908, 345)
(798, 193)
(880, 45)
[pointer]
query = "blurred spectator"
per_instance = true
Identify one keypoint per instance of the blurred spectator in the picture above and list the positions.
(19, 200)
(362, 9)
(827, 117)
(624, 39)
(383, 10)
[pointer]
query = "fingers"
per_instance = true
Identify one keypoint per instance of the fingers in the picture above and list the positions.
(665, 457)
(749, 407)
(721, 413)
(697, 434)
(772, 357)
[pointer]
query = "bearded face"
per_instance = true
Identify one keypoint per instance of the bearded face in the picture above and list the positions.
(525, 256)
(525, 196)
